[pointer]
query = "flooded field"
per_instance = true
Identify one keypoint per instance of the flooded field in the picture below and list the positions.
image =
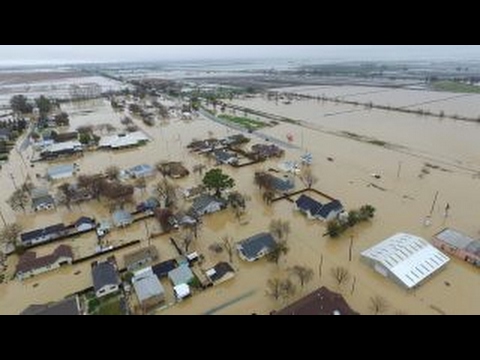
(401, 202)
(451, 103)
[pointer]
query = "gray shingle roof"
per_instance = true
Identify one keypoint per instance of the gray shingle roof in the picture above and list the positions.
(204, 201)
(65, 307)
(181, 275)
(254, 245)
(104, 274)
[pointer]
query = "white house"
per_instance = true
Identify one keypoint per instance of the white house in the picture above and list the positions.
(60, 172)
(148, 288)
(406, 259)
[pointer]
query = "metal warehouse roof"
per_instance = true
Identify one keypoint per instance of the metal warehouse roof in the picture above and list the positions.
(454, 238)
(409, 258)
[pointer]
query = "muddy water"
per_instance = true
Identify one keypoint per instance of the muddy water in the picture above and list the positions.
(452, 141)
(401, 207)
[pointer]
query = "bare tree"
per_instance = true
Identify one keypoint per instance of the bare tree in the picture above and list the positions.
(216, 248)
(378, 304)
(141, 183)
(304, 274)
(168, 192)
(308, 178)
(187, 241)
(227, 244)
(280, 229)
(10, 233)
(18, 200)
(340, 274)
(199, 169)
(280, 288)
(112, 172)
(281, 248)
(66, 195)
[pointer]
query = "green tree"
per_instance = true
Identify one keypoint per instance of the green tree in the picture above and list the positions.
(20, 104)
(216, 180)
(44, 105)
(62, 119)
(85, 138)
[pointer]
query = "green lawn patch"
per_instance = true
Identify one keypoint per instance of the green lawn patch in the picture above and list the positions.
(244, 122)
(113, 307)
(455, 86)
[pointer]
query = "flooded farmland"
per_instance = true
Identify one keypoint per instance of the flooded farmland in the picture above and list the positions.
(402, 202)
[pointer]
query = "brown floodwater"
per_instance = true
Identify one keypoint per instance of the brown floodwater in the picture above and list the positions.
(401, 206)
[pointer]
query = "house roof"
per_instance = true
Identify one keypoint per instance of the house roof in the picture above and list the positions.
(164, 268)
(282, 184)
(334, 205)
(121, 217)
(455, 239)
(105, 273)
(147, 285)
(29, 261)
(132, 258)
(221, 269)
(38, 193)
(252, 246)
(142, 169)
(45, 200)
(204, 201)
(181, 275)
(35, 234)
(66, 146)
(65, 307)
(223, 155)
(118, 141)
(306, 203)
(409, 258)
(319, 302)
(60, 170)
(85, 220)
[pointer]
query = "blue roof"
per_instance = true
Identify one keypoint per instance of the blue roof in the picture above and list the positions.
(282, 184)
(306, 203)
(35, 234)
(252, 246)
(335, 205)
(104, 274)
(142, 169)
(121, 217)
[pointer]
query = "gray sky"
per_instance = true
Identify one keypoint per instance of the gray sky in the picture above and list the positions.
(15, 54)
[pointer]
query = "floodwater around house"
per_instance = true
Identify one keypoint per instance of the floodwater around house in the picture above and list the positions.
(401, 207)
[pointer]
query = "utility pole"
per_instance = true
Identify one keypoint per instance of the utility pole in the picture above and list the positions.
(399, 169)
(3, 218)
(353, 285)
(320, 266)
(434, 203)
(350, 249)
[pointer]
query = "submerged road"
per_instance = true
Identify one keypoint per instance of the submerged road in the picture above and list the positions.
(230, 303)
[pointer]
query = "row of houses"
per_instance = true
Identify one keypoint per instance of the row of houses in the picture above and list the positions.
(56, 232)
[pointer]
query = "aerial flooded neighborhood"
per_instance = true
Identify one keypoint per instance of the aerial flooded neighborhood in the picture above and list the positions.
(257, 184)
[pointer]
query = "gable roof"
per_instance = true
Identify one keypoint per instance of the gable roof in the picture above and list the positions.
(104, 274)
(306, 203)
(29, 261)
(162, 269)
(204, 200)
(220, 270)
(282, 184)
(149, 253)
(65, 307)
(85, 220)
(319, 302)
(60, 170)
(254, 245)
(121, 217)
(44, 200)
(334, 205)
(35, 234)
(142, 169)
(181, 275)
(147, 285)
(409, 258)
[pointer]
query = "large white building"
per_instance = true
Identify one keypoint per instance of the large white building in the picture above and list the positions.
(406, 259)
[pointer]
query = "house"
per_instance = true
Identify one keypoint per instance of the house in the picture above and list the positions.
(181, 275)
(60, 172)
(315, 210)
(67, 307)
(43, 235)
(320, 302)
(207, 204)
(225, 157)
(406, 259)
(182, 291)
(85, 224)
(45, 203)
(264, 151)
(282, 185)
(148, 288)
(149, 205)
(256, 247)
(36, 193)
(220, 273)
(105, 277)
(62, 149)
(142, 171)
(65, 137)
(30, 265)
(175, 170)
(164, 268)
(140, 258)
(194, 191)
(458, 245)
(5, 134)
(122, 141)
(122, 218)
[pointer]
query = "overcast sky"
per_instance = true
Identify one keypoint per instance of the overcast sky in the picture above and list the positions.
(15, 54)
